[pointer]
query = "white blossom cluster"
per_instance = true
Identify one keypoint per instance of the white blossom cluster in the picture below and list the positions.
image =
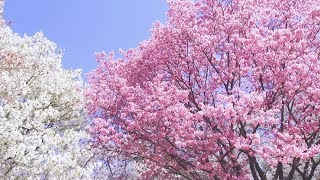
(41, 111)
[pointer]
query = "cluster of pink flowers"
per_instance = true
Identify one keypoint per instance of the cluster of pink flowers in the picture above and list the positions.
(223, 90)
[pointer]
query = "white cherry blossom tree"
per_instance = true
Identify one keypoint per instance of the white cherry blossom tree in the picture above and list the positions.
(41, 111)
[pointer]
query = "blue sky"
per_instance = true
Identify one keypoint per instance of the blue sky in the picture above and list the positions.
(83, 27)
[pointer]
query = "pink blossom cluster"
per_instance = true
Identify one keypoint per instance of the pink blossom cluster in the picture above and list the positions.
(226, 89)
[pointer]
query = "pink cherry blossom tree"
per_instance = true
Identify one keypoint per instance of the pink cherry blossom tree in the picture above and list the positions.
(225, 89)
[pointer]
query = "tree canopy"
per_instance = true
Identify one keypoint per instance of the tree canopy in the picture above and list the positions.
(225, 89)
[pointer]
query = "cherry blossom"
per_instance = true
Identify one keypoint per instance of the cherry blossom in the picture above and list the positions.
(41, 111)
(224, 89)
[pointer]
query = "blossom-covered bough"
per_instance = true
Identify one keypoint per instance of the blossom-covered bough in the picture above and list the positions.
(41, 111)
(223, 90)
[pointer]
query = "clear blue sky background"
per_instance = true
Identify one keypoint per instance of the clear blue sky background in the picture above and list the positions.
(83, 27)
